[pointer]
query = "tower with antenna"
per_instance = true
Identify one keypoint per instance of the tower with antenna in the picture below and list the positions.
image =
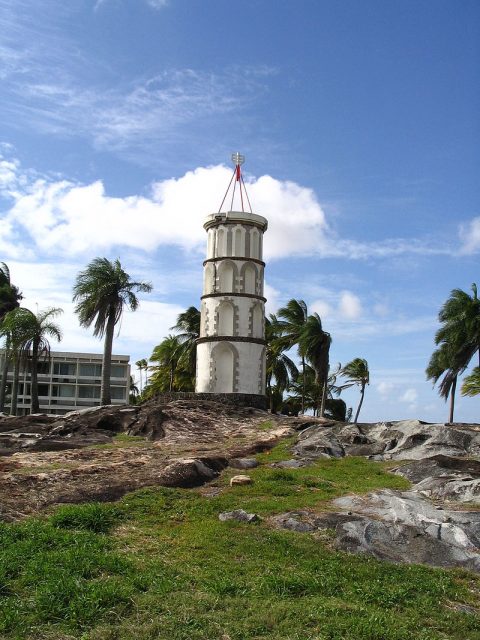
(231, 347)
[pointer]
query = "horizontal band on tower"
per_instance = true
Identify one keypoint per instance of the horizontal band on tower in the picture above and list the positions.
(235, 295)
(217, 220)
(260, 262)
(230, 339)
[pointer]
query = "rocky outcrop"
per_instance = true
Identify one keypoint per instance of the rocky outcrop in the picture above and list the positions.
(422, 525)
(77, 457)
(407, 439)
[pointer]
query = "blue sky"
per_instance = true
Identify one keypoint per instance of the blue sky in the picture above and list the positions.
(360, 123)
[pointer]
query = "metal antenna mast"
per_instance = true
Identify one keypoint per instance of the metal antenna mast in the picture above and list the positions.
(237, 178)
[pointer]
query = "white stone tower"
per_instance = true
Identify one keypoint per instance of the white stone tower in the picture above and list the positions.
(231, 347)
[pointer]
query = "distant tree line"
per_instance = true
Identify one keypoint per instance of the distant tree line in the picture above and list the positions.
(313, 387)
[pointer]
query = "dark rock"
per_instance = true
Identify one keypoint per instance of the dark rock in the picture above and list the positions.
(240, 515)
(243, 463)
(289, 464)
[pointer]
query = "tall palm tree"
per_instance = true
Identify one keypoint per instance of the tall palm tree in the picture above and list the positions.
(101, 292)
(315, 344)
(460, 317)
(10, 297)
(279, 366)
(443, 363)
(458, 339)
(188, 324)
(14, 327)
(142, 366)
(291, 324)
(167, 354)
(471, 383)
(356, 372)
(37, 329)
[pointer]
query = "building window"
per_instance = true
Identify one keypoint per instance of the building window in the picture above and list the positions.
(118, 393)
(90, 370)
(43, 390)
(64, 368)
(43, 367)
(89, 391)
(63, 390)
(118, 371)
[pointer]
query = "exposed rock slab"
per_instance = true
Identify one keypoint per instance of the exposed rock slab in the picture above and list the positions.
(404, 440)
(397, 527)
(56, 459)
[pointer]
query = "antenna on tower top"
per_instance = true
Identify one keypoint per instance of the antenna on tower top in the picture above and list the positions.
(238, 159)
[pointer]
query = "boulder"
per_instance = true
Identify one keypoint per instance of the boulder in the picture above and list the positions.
(243, 463)
(240, 480)
(240, 515)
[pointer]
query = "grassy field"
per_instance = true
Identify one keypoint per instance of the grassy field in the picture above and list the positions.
(160, 565)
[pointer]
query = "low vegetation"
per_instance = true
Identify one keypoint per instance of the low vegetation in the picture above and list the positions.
(160, 565)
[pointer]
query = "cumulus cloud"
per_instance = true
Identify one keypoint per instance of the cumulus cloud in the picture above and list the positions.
(385, 388)
(470, 236)
(350, 306)
(61, 217)
(410, 396)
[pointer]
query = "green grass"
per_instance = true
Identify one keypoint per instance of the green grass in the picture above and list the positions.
(160, 565)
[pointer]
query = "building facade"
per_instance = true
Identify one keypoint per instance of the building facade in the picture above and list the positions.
(70, 381)
(231, 347)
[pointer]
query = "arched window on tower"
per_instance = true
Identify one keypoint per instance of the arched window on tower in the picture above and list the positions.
(239, 243)
(226, 274)
(254, 244)
(224, 366)
(209, 278)
(220, 248)
(225, 319)
(249, 279)
(257, 321)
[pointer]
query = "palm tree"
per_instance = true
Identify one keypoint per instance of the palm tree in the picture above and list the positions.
(460, 316)
(188, 324)
(458, 339)
(10, 297)
(356, 372)
(471, 383)
(14, 328)
(142, 366)
(315, 344)
(293, 318)
(36, 330)
(443, 363)
(167, 354)
(101, 292)
(279, 366)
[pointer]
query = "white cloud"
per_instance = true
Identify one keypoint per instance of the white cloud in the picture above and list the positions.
(321, 307)
(385, 388)
(470, 236)
(62, 218)
(350, 306)
(410, 396)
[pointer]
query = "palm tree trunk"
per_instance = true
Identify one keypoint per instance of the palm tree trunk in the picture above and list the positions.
(324, 399)
(105, 393)
(3, 385)
(172, 373)
(34, 404)
(452, 399)
(362, 393)
(16, 373)
(303, 385)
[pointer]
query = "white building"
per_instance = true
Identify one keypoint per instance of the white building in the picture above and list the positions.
(70, 381)
(231, 347)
